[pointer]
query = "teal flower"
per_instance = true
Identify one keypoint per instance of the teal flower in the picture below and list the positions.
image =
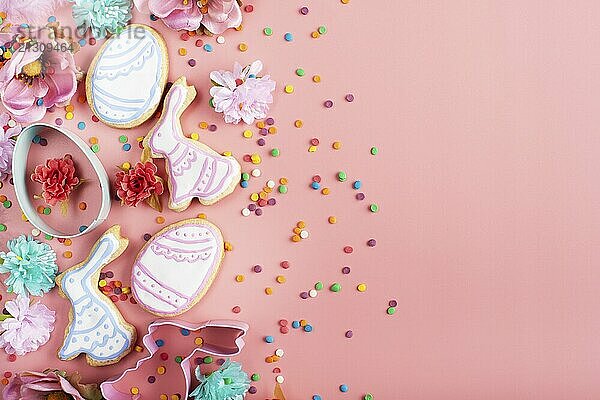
(101, 16)
(229, 382)
(31, 265)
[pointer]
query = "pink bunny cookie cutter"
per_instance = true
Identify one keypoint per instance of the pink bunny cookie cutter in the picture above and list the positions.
(228, 341)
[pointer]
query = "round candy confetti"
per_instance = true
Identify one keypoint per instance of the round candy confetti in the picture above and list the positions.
(304, 10)
(328, 103)
(349, 334)
(368, 396)
(299, 72)
(288, 37)
(374, 208)
(336, 287)
(343, 388)
(268, 31)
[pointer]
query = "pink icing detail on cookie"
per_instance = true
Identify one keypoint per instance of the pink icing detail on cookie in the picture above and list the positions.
(176, 267)
(195, 170)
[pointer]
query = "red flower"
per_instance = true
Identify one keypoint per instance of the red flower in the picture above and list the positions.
(57, 177)
(137, 184)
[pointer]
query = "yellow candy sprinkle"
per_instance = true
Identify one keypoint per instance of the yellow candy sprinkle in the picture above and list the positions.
(298, 123)
(254, 196)
(289, 89)
(164, 397)
(325, 191)
(195, 136)
(198, 341)
(260, 124)
(161, 370)
(332, 219)
(337, 145)
(255, 158)
(269, 291)
(182, 51)
(160, 219)
(361, 287)
(247, 134)
(243, 47)
(102, 283)
(138, 349)
(283, 181)
(316, 78)
(68, 242)
(345, 1)
(312, 149)
(228, 246)
(134, 390)
(93, 140)
(126, 290)
(239, 278)
(126, 165)
(67, 254)
(273, 130)
(296, 238)
(203, 125)
(227, 153)
(301, 224)
(69, 108)
(202, 216)
(69, 115)
(315, 34)
(303, 322)
(280, 279)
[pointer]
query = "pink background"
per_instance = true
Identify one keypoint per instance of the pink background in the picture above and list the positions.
(485, 116)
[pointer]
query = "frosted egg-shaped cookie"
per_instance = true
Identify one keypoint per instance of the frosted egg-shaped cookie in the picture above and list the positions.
(126, 78)
(177, 266)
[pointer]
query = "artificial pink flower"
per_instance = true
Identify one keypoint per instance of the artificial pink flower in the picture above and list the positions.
(138, 184)
(29, 327)
(215, 15)
(29, 11)
(35, 78)
(58, 179)
(49, 385)
(241, 94)
(8, 130)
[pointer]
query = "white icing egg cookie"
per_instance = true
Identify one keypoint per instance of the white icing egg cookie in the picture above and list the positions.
(176, 267)
(126, 78)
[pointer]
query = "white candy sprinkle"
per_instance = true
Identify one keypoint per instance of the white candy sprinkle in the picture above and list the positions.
(245, 212)
(280, 379)
(35, 232)
(279, 353)
(12, 123)
(271, 184)
(255, 172)
(220, 39)
(312, 293)
(303, 234)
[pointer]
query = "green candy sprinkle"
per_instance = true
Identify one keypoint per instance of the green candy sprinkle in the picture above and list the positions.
(368, 396)
(268, 31)
(2, 227)
(275, 152)
(374, 151)
(7, 204)
(255, 377)
(47, 211)
(374, 208)
(322, 30)
(336, 287)
(245, 176)
(207, 360)
(282, 189)
(391, 310)
(178, 359)
(48, 237)
(342, 176)
(300, 72)
(123, 139)
(319, 285)
(95, 148)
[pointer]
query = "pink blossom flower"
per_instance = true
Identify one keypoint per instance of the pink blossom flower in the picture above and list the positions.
(7, 143)
(33, 80)
(49, 385)
(215, 15)
(241, 94)
(29, 327)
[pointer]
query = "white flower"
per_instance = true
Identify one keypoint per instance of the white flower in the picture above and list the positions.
(29, 327)
(241, 94)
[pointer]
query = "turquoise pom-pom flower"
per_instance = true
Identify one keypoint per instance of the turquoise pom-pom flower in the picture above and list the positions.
(229, 382)
(31, 265)
(101, 16)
